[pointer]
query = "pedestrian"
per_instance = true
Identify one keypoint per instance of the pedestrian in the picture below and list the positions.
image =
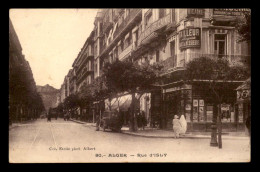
(176, 126)
(143, 119)
(139, 120)
(183, 125)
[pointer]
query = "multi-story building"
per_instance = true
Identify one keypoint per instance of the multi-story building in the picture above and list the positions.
(84, 63)
(62, 93)
(173, 37)
(23, 96)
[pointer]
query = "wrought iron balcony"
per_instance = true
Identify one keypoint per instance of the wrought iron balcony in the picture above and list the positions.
(133, 13)
(107, 25)
(179, 61)
(125, 52)
(123, 26)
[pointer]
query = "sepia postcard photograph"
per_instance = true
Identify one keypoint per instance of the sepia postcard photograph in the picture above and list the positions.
(127, 85)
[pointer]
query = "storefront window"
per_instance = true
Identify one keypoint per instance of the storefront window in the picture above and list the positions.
(199, 111)
(240, 113)
(209, 113)
(225, 113)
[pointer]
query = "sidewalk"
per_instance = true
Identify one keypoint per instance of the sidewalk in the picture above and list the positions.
(158, 133)
(19, 124)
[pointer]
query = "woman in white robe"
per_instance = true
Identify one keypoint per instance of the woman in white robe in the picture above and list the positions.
(183, 125)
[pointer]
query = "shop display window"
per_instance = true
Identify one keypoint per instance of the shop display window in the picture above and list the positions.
(209, 113)
(198, 110)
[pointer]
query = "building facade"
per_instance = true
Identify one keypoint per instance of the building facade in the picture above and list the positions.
(173, 37)
(24, 100)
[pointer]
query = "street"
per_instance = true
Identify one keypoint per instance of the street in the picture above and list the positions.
(66, 141)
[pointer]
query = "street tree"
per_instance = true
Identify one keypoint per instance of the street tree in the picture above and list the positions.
(243, 27)
(72, 102)
(127, 76)
(219, 76)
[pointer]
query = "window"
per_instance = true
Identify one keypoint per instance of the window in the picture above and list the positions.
(157, 56)
(95, 68)
(122, 45)
(172, 49)
(148, 19)
(127, 11)
(115, 54)
(220, 44)
(128, 40)
(162, 13)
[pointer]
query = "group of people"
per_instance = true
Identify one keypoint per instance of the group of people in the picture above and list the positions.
(179, 125)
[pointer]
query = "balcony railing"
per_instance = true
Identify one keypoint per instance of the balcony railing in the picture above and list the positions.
(84, 74)
(132, 15)
(172, 64)
(129, 18)
(107, 25)
(158, 24)
(125, 52)
(87, 57)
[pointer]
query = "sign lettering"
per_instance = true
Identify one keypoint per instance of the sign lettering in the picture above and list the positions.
(230, 11)
(195, 12)
(190, 37)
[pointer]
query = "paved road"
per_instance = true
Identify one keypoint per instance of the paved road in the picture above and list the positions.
(66, 141)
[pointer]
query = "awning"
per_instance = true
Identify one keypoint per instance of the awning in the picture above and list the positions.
(245, 86)
(122, 102)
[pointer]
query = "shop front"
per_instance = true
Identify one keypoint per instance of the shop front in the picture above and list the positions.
(243, 104)
(198, 104)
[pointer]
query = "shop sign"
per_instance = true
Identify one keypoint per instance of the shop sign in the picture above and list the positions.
(195, 114)
(154, 26)
(201, 109)
(187, 117)
(224, 107)
(195, 12)
(230, 11)
(172, 89)
(195, 103)
(209, 116)
(201, 102)
(190, 37)
(243, 94)
(188, 107)
(185, 87)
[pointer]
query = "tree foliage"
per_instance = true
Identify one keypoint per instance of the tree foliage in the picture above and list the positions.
(243, 26)
(209, 69)
(72, 101)
(127, 76)
(22, 88)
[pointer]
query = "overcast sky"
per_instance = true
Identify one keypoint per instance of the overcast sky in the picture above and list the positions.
(51, 39)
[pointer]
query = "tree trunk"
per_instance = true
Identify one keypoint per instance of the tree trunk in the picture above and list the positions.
(219, 127)
(213, 141)
(133, 122)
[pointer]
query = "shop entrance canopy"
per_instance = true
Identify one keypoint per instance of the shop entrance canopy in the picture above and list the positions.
(122, 102)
